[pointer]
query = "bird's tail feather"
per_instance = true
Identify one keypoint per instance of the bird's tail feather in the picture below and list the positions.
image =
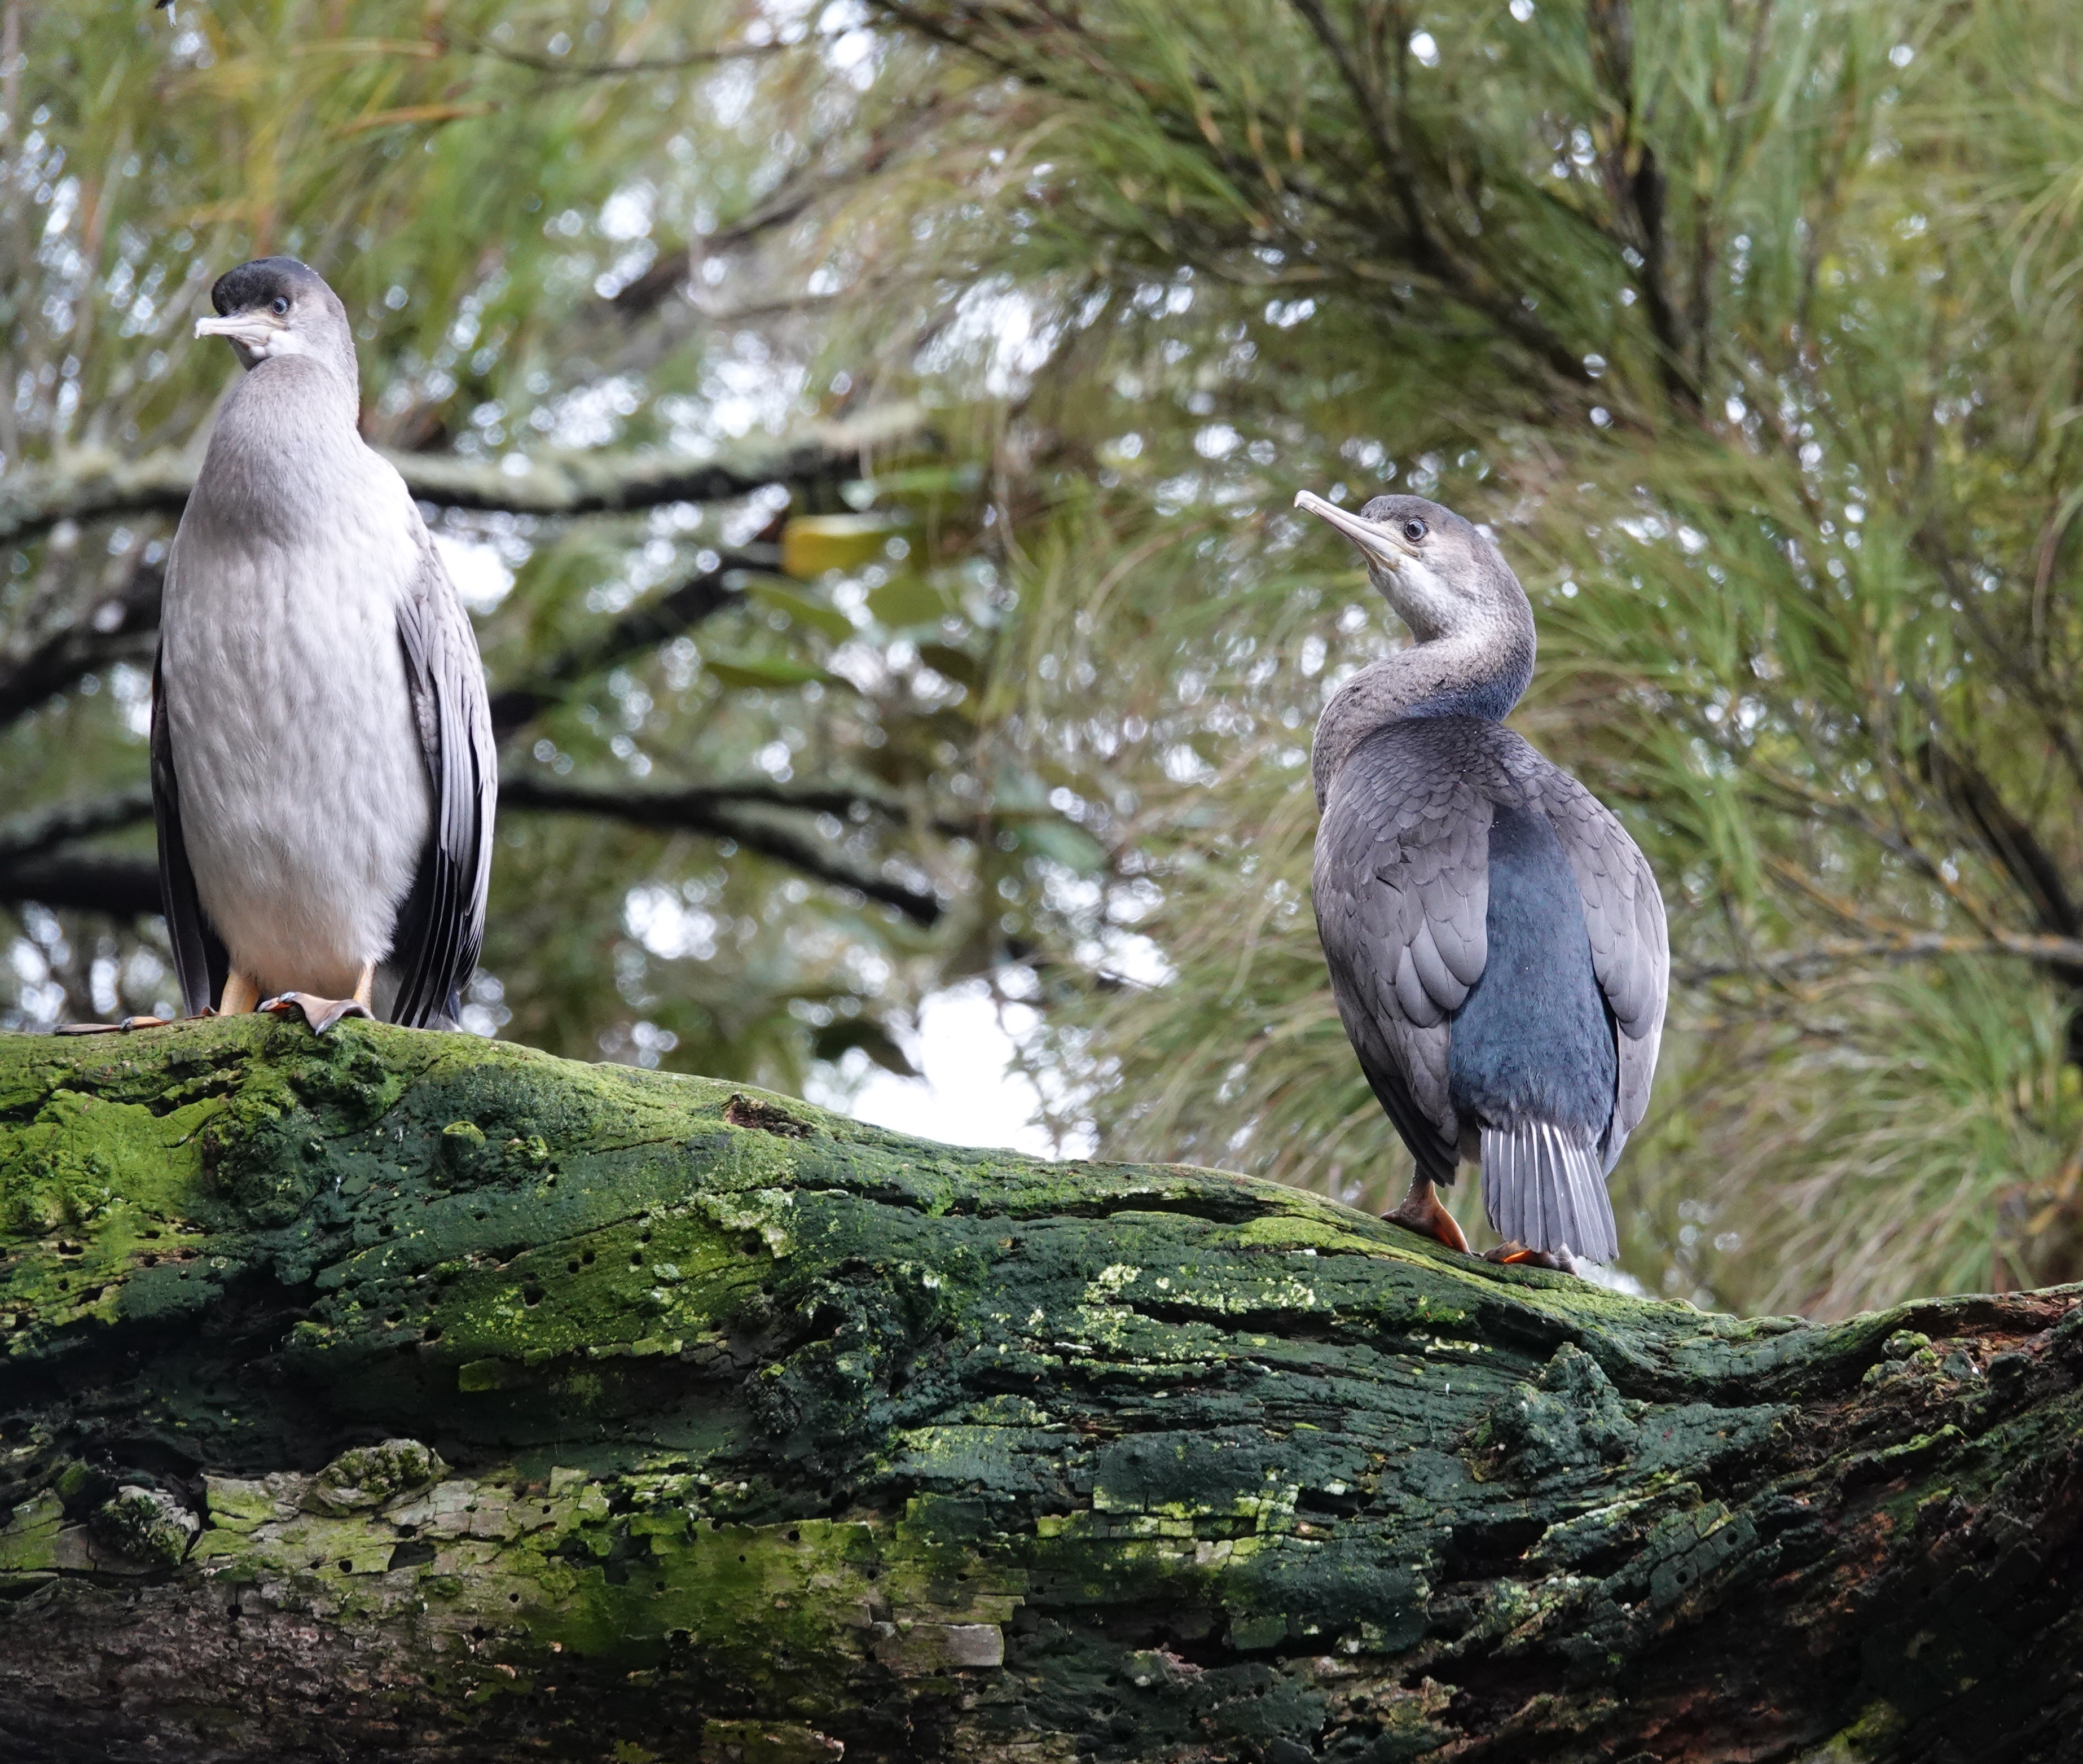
(1543, 1188)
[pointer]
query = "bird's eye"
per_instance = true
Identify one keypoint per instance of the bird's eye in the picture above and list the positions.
(1414, 529)
(280, 305)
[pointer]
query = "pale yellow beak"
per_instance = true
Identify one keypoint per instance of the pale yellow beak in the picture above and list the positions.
(253, 329)
(1382, 545)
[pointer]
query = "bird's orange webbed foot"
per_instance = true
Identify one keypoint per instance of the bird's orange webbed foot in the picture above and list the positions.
(321, 1014)
(1515, 1254)
(1423, 1212)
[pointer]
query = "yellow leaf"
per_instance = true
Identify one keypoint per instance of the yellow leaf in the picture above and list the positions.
(813, 543)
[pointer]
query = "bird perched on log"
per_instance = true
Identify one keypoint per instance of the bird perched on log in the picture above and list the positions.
(323, 775)
(1496, 941)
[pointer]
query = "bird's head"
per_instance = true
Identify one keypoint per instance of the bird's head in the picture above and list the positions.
(1443, 575)
(275, 306)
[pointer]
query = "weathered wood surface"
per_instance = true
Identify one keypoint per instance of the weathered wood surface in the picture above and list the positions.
(735, 1430)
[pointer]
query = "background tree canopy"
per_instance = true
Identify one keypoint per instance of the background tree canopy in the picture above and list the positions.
(866, 433)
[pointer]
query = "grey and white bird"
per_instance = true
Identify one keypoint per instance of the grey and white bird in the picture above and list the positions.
(1496, 941)
(323, 774)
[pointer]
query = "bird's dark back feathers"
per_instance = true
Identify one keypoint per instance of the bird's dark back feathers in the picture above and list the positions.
(1532, 1061)
(1533, 1037)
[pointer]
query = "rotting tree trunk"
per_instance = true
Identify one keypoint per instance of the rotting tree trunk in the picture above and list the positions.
(721, 1428)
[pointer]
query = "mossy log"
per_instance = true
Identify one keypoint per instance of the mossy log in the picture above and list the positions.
(401, 1396)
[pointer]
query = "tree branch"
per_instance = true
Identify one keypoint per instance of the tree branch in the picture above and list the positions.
(2016, 848)
(122, 629)
(32, 867)
(117, 883)
(2033, 871)
(710, 811)
(1638, 191)
(808, 799)
(1055, 46)
(798, 193)
(88, 486)
(1428, 253)
(119, 629)
(35, 831)
(1256, 1476)
(2056, 952)
(642, 628)
(655, 64)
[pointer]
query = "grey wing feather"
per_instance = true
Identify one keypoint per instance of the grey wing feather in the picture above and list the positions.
(1630, 946)
(1402, 891)
(441, 928)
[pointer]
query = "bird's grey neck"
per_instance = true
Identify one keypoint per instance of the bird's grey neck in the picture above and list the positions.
(327, 387)
(285, 451)
(1474, 674)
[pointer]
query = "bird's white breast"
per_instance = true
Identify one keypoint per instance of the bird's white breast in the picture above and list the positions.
(304, 795)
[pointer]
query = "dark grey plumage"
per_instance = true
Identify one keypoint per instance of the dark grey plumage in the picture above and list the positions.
(323, 763)
(1496, 942)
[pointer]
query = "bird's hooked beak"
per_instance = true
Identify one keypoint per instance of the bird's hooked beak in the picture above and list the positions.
(1382, 545)
(256, 329)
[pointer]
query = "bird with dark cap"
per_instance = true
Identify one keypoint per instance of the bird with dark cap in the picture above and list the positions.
(1496, 941)
(323, 775)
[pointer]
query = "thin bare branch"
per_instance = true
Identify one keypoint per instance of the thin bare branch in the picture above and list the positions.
(31, 868)
(1846, 952)
(707, 812)
(118, 628)
(560, 68)
(643, 628)
(122, 886)
(809, 184)
(90, 486)
(35, 831)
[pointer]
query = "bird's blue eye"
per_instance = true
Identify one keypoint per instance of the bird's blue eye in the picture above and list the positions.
(279, 305)
(1414, 529)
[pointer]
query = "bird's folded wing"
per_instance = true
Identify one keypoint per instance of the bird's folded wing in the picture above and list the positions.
(441, 928)
(1630, 947)
(200, 960)
(1402, 890)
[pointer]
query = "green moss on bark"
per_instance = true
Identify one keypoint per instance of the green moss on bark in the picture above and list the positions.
(512, 1405)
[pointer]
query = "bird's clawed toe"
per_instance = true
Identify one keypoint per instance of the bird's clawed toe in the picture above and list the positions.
(1515, 1254)
(321, 1014)
(124, 1027)
(1423, 1212)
